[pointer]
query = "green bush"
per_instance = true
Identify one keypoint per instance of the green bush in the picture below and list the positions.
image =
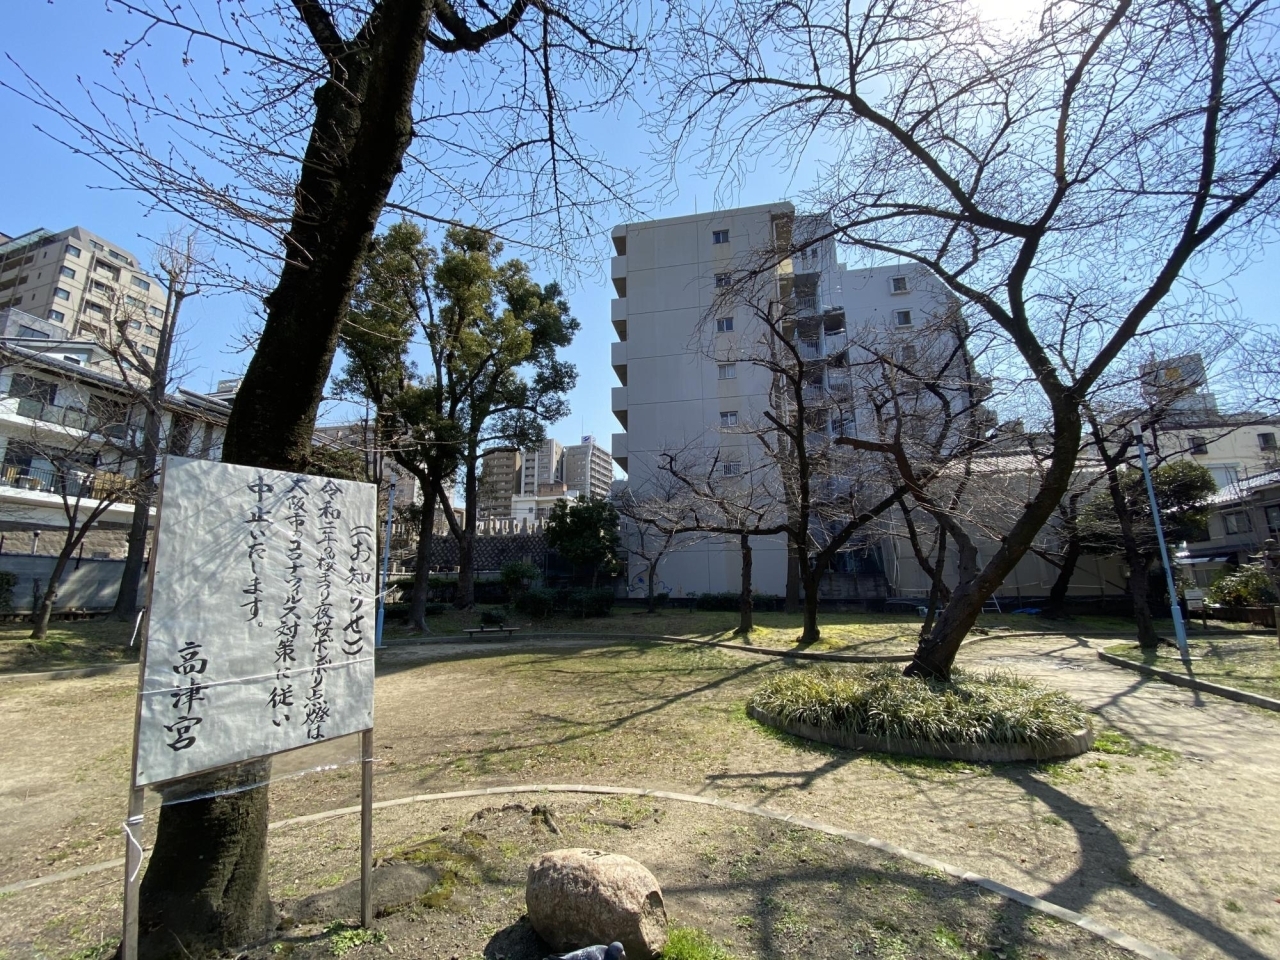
(1247, 586)
(719, 601)
(542, 603)
(585, 602)
(518, 575)
(537, 602)
(434, 609)
(491, 618)
(879, 701)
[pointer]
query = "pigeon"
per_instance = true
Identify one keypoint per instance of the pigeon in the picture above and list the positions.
(613, 951)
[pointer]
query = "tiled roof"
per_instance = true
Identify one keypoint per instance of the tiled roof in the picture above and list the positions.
(1243, 488)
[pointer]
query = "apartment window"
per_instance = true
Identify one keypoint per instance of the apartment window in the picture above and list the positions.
(1273, 521)
(719, 236)
(72, 250)
(153, 331)
(726, 371)
(1266, 441)
(140, 283)
(120, 257)
(135, 324)
(31, 333)
(57, 316)
(101, 287)
(724, 279)
(61, 294)
(1238, 522)
(133, 301)
(155, 311)
(902, 318)
(147, 351)
(92, 307)
(898, 285)
(96, 245)
(67, 272)
(728, 418)
(731, 468)
(724, 325)
(1199, 446)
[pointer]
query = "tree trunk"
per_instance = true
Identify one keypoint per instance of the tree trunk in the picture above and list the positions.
(936, 585)
(792, 604)
(810, 634)
(1140, 591)
(1055, 606)
(41, 627)
(363, 124)
(126, 607)
(422, 562)
(466, 598)
(745, 625)
(935, 655)
(653, 572)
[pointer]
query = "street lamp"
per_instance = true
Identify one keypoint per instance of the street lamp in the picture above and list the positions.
(1179, 630)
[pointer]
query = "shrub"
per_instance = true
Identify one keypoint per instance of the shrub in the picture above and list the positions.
(8, 580)
(542, 603)
(491, 618)
(537, 602)
(434, 609)
(879, 701)
(585, 602)
(1247, 586)
(518, 575)
(719, 601)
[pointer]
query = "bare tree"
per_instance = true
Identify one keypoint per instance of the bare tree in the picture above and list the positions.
(658, 519)
(290, 151)
(1066, 179)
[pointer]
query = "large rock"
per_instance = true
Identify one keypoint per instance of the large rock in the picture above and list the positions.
(576, 898)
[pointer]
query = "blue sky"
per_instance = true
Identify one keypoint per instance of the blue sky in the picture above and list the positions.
(46, 186)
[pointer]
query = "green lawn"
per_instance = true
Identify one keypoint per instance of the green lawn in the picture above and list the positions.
(70, 643)
(1247, 663)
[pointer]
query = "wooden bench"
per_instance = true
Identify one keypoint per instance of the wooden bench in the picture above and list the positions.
(474, 630)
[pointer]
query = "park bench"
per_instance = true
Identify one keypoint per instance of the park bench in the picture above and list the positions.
(497, 628)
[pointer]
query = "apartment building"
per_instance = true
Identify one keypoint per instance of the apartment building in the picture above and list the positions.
(588, 468)
(541, 466)
(683, 356)
(500, 480)
(84, 285)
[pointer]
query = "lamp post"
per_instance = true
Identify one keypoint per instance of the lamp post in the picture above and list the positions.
(1179, 630)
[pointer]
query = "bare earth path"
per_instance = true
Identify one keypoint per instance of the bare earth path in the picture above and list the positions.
(1176, 840)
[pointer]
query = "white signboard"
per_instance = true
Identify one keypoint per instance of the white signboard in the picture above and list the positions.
(261, 628)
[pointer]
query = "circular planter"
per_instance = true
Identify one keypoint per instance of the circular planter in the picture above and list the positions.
(1071, 746)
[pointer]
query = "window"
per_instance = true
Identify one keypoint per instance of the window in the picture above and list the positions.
(120, 257)
(73, 251)
(140, 283)
(61, 294)
(724, 325)
(719, 236)
(31, 333)
(1273, 521)
(902, 318)
(1199, 446)
(96, 245)
(1238, 522)
(101, 287)
(726, 371)
(57, 316)
(67, 272)
(147, 351)
(97, 308)
(133, 301)
(153, 331)
(107, 270)
(135, 324)
(724, 279)
(898, 285)
(1266, 441)
(731, 468)
(155, 311)
(728, 418)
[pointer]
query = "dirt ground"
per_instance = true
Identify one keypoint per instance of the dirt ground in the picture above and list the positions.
(1170, 834)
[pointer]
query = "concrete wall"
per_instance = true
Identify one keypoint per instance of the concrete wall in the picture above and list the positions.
(90, 585)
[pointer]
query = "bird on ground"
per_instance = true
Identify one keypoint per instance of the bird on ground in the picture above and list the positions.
(613, 951)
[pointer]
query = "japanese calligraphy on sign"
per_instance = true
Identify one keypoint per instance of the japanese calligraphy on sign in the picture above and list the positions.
(260, 635)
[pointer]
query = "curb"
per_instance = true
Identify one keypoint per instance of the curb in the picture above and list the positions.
(93, 670)
(1204, 686)
(1123, 940)
(662, 638)
(1059, 749)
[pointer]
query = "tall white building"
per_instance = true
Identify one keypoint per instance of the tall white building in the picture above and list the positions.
(685, 379)
(588, 468)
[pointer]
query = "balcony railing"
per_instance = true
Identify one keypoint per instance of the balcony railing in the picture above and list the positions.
(73, 417)
(74, 484)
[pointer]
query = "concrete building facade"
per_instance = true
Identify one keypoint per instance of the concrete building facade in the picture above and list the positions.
(83, 284)
(540, 466)
(588, 468)
(499, 481)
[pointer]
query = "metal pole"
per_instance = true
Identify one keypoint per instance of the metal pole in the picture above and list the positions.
(366, 828)
(1179, 630)
(132, 871)
(386, 562)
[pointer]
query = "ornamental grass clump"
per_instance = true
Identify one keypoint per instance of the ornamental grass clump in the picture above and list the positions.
(997, 707)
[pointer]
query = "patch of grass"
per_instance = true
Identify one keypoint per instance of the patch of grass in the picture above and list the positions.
(97, 952)
(1248, 662)
(689, 943)
(1231, 906)
(1115, 742)
(996, 708)
(345, 937)
(69, 643)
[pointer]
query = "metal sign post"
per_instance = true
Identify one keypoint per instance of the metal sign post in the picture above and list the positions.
(386, 563)
(1179, 629)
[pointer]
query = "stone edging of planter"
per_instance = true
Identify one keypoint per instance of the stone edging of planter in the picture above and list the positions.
(1204, 686)
(1062, 748)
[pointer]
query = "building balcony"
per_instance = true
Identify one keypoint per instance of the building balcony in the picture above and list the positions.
(619, 405)
(618, 272)
(618, 357)
(618, 316)
(620, 450)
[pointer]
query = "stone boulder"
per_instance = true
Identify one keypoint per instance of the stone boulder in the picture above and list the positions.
(576, 898)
